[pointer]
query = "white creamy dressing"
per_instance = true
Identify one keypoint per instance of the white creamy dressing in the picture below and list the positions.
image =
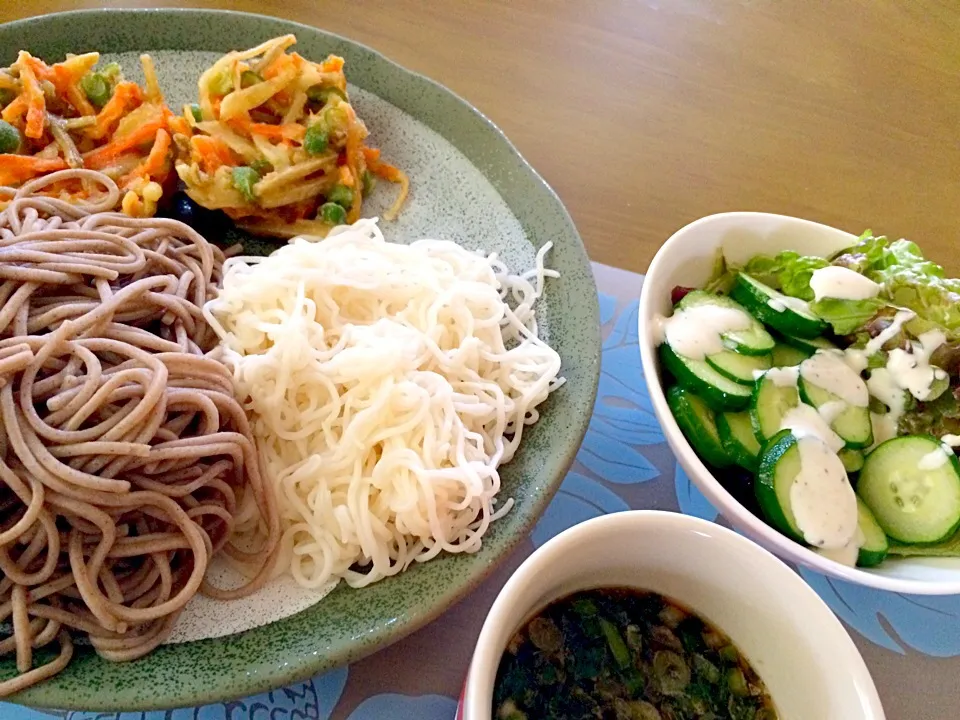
(889, 332)
(842, 283)
(805, 422)
(906, 371)
(698, 331)
(824, 504)
(827, 369)
(951, 440)
(783, 302)
(934, 459)
(784, 377)
(846, 555)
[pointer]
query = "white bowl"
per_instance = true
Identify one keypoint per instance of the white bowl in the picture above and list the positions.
(809, 664)
(687, 259)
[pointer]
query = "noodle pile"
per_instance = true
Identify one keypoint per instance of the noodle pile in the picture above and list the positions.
(125, 461)
(385, 385)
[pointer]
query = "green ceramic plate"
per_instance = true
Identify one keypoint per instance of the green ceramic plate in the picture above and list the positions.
(469, 184)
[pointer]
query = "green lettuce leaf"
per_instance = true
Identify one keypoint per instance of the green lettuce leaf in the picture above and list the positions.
(788, 272)
(722, 277)
(946, 548)
(907, 279)
(766, 269)
(796, 272)
(847, 316)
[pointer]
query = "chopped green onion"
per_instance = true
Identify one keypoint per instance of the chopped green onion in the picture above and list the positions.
(729, 653)
(196, 112)
(672, 672)
(262, 166)
(621, 654)
(318, 93)
(222, 83)
(96, 88)
(9, 138)
(341, 195)
(369, 182)
(244, 178)
(315, 140)
(737, 682)
(248, 78)
(333, 213)
(335, 116)
(111, 71)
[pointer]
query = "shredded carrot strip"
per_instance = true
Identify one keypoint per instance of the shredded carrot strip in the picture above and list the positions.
(291, 131)
(15, 169)
(178, 124)
(41, 70)
(67, 86)
(332, 64)
(346, 176)
(103, 156)
(124, 95)
(36, 104)
(213, 152)
(279, 65)
(15, 110)
(155, 161)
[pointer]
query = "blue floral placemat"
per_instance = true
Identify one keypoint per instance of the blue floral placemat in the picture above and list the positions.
(910, 643)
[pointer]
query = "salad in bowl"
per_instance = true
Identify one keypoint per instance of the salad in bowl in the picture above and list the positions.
(817, 384)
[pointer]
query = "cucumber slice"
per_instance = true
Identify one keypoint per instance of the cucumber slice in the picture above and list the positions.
(912, 486)
(771, 401)
(808, 345)
(698, 425)
(753, 340)
(850, 422)
(779, 467)
(739, 368)
(788, 356)
(784, 314)
(875, 545)
(720, 393)
(736, 434)
(852, 460)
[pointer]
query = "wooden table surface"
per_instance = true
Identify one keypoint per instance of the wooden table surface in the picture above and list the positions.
(647, 114)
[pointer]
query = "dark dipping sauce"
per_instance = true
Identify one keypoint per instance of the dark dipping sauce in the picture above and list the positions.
(624, 654)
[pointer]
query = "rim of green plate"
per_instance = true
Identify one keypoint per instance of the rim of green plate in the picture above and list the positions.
(348, 624)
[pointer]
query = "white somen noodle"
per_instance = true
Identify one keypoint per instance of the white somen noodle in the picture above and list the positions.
(385, 384)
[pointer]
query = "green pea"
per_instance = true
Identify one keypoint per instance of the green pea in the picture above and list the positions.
(262, 166)
(341, 195)
(244, 178)
(196, 112)
(369, 182)
(319, 93)
(97, 88)
(315, 140)
(9, 138)
(333, 213)
(222, 83)
(248, 78)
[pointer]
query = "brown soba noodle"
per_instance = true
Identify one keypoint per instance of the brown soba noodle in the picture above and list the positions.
(125, 461)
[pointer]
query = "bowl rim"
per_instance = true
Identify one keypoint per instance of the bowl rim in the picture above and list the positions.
(482, 672)
(722, 500)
